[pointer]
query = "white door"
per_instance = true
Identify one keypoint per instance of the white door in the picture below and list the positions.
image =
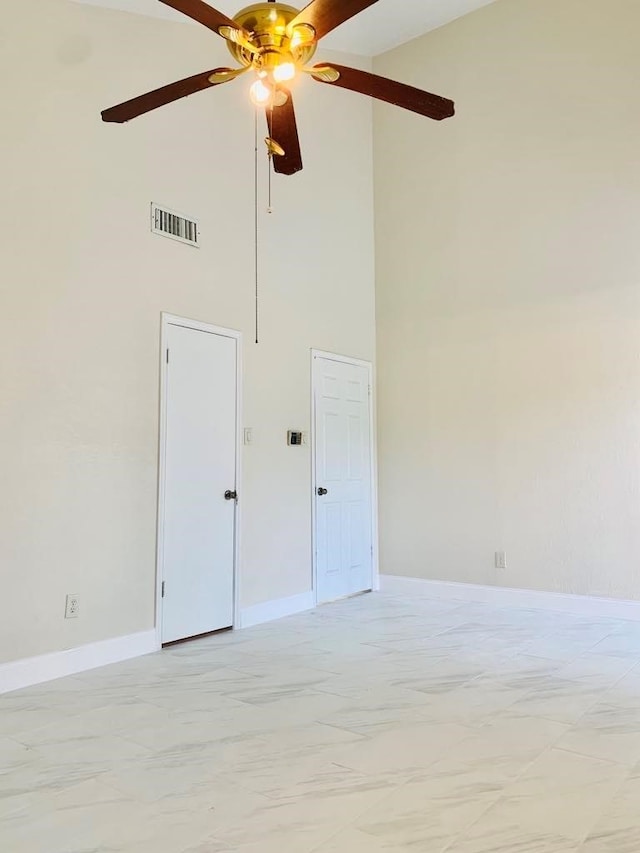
(343, 476)
(199, 467)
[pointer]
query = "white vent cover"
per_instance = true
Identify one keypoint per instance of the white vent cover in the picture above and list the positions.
(174, 225)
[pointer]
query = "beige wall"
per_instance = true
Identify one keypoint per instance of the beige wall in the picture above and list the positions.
(508, 268)
(83, 283)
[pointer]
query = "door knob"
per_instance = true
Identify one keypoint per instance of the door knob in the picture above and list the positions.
(322, 491)
(230, 495)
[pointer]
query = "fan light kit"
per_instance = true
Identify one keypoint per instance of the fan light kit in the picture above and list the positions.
(277, 42)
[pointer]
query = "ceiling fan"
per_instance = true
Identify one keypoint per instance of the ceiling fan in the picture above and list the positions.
(277, 42)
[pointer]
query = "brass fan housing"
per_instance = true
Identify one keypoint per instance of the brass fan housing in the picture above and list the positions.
(268, 25)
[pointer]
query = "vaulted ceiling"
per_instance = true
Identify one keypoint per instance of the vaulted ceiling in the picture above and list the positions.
(385, 25)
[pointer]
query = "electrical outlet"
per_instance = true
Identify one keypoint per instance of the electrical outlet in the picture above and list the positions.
(501, 560)
(72, 609)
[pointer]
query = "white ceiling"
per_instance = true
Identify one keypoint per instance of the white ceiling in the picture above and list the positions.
(385, 25)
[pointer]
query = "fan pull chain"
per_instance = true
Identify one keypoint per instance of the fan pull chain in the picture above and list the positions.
(256, 224)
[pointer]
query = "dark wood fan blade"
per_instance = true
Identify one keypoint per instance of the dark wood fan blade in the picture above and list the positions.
(326, 15)
(166, 95)
(284, 129)
(407, 97)
(201, 12)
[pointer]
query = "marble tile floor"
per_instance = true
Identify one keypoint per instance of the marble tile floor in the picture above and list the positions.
(380, 723)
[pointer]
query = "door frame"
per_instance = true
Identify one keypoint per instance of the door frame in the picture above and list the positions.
(375, 557)
(174, 320)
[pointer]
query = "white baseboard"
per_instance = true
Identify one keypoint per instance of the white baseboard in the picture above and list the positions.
(36, 670)
(582, 605)
(30, 671)
(278, 609)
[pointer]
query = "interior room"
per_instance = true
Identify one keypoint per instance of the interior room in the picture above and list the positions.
(320, 426)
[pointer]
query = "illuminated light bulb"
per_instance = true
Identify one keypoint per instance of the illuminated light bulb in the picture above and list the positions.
(284, 72)
(260, 94)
